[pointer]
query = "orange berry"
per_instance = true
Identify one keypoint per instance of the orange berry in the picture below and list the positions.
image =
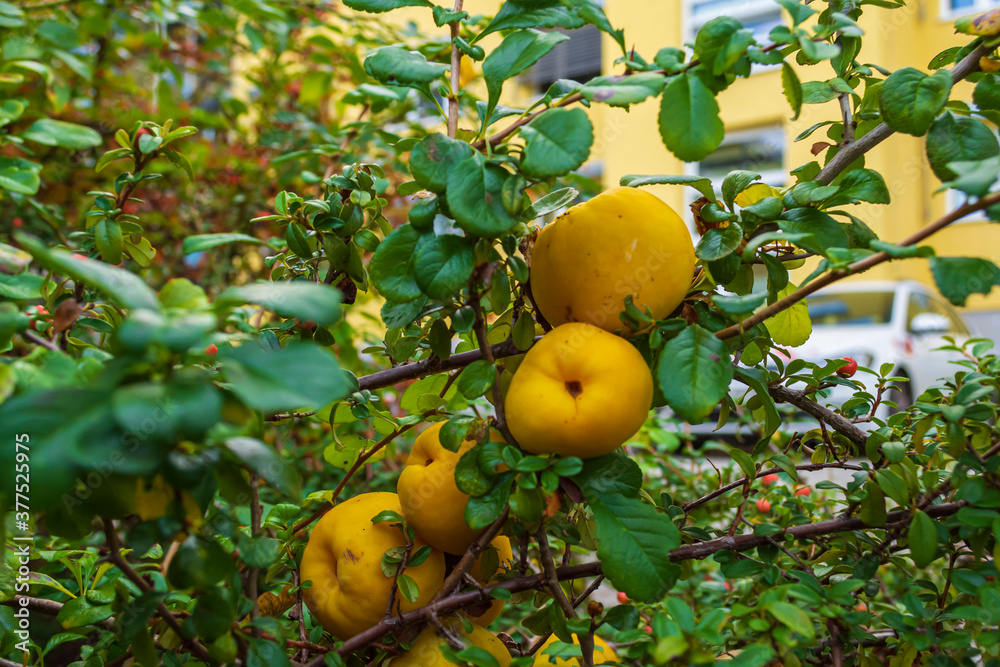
(622, 598)
(648, 629)
(768, 480)
(803, 491)
(212, 350)
(763, 505)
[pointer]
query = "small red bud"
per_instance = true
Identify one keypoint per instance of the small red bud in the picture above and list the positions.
(212, 350)
(850, 369)
(622, 598)
(648, 629)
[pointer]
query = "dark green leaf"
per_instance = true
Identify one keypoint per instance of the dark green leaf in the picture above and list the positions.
(379, 6)
(694, 373)
(474, 197)
(60, 133)
(483, 510)
(304, 300)
(442, 265)
(621, 90)
(109, 240)
(477, 378)
(200, 242)
(735, 183)
(910, 100)
(434, 157)
(392, 265)
(861, 185)
(298, 376)
(265, 461)
(557, 142)
(719, 242)
(699, 183)
(922, 539)
(611, 474)
(960, 277)
(689, 119)
(792, 88)
(958, 139)
(633, 543)
(397, 65)
(517, 52)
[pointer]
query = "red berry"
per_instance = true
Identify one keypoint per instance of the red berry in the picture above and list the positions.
(768, 480)
(803, 491)
(212, 350)
(306, 325)
(850, 369)
(622, 598)
(763, 505)
(17, 222)
(648, 629)
(728, 586)
(77, 255)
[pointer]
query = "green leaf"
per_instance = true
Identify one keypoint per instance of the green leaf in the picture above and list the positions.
(532, 14)
(791, 326)
(123, 287)
(265, 461)
(298, 376)
(298, 242)
(923, 539)
(442, 265)
(60, 133)
(622, 90)
(201, 242)
(19, 175)
(611, 474)
(549, 203)
(689, 118)
(792, 88)
(792, 617)
(756, 379)
(392, 265)
(975, 177)
(434, 157)
(79, 611)
(826, 232)
(744, 461)
(735, 183)
(958, 139)
(483, 510)
(960, 277)
(860, 185)
(556, 142)
(987, 93)
(872, 511)
(475, 197)
(732, 51)
(109, 240)
(699, 183)
(719, 242)
(694, 373)
(304, 300)
(477, 378)
(910, 100)
(633, 543)
(517, 52)
(21, 286)
(799, 12)
(379, 6)
(396, 65)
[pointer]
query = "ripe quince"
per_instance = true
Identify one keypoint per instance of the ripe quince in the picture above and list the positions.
(343, 560)
(426, 650)
(430, 499)
(505, 562)
(602, 654)
(580, 391)
(623, 241)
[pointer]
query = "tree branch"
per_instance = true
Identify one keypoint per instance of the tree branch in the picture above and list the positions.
(456, 75)
(852, 151)
(857, 267)
(51, 608)
(801, 400)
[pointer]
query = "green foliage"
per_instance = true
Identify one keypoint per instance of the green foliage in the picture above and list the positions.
(260, 244)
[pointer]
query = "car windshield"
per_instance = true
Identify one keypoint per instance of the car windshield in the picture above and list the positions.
(851, 308)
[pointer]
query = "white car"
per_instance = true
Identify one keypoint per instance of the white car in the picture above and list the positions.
(901, 323)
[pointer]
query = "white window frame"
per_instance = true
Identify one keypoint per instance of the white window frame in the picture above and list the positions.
(978, 7)
(741, 10)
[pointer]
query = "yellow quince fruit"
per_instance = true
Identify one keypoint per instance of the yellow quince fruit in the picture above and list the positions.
(580, 391)
(622, 242)
(426, 650)
(343, 560)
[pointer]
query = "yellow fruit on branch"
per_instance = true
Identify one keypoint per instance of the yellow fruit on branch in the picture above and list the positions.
(580, 391)
(602, 654)
(343, 560)
(431, 501)
(622, 242)
(426, 650)
(497, 560)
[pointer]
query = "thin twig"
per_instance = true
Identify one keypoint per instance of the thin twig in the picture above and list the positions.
(549, 568)
(456, 74)
(255, 520)
(38, 340)
(469, 557)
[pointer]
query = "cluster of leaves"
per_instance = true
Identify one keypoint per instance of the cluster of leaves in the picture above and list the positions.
(208, 424)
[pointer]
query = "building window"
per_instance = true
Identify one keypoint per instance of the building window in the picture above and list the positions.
(761, 16)
(952, 8)
(578, 58)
